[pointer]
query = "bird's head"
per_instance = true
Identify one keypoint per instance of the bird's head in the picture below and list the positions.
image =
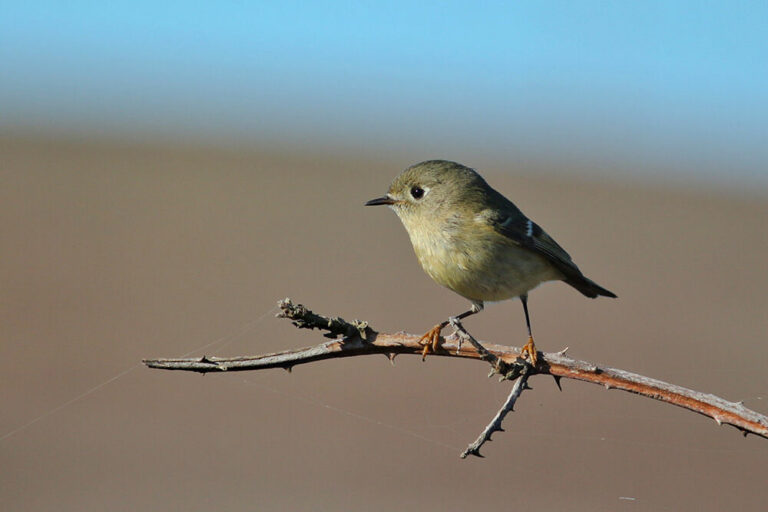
(432, 190)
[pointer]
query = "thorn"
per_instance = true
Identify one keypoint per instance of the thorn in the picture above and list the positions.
(562, 352)
(557, 381)
(739, 403)
(289, 369)
(607, 386)
(391, 356)
(745, 433)
(527, 386)
(718, 420)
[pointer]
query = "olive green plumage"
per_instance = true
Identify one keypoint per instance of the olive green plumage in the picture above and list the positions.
(471, 239)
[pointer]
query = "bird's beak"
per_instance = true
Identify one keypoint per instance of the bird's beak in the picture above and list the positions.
(380, 200)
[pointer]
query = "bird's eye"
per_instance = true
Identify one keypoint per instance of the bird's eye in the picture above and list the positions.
(417, 192)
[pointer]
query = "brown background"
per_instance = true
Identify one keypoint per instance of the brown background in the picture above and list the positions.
(116, 252)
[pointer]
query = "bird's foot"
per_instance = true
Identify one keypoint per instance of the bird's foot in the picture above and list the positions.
(431, 340)
(529, 352)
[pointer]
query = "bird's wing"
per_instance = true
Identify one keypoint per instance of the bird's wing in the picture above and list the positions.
(511, 223)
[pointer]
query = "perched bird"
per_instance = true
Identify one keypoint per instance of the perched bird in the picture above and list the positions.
(474, 241)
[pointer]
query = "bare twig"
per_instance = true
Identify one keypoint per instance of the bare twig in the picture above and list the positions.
(462, 335)
(357, 339)
(521, 384)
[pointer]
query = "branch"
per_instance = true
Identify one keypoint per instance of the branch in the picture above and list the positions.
(357, 338)
(521, 384)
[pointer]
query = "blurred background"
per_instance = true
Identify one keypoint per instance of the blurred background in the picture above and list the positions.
(169, 171)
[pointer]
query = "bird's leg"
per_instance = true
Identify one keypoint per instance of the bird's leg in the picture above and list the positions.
(431, 339)
(530, 348)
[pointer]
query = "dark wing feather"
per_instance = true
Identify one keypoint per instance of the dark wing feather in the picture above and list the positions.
(526, 233)
(511, 223)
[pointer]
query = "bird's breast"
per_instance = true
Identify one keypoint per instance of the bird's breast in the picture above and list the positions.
(477, 262)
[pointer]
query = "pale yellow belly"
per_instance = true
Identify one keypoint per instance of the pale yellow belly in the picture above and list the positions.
(483, 269)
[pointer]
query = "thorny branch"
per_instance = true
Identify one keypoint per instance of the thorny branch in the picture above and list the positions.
(357, 338)
(521, 384)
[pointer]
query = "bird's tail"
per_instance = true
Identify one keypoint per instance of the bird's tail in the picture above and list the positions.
(588, 287)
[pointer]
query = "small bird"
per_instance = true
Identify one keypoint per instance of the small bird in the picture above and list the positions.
(476, 242)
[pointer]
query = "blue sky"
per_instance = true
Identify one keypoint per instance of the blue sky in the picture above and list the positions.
(663, 86)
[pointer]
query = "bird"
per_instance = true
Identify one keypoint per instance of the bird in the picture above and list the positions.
(474, 241)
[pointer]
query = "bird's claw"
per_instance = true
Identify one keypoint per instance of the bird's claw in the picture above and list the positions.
(430, 340)
(529, 352)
